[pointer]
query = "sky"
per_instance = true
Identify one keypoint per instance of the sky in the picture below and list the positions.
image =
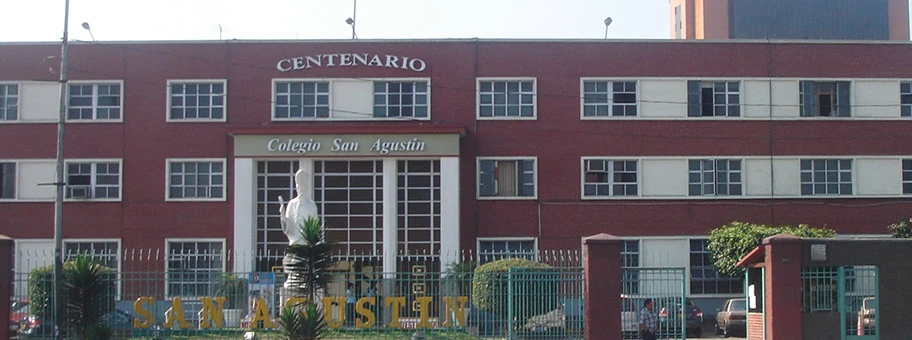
(121, 20)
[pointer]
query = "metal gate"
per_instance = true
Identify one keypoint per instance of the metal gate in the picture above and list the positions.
(858, 302)
(665, 286)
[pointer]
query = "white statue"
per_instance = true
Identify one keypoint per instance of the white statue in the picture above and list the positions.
(298, 210)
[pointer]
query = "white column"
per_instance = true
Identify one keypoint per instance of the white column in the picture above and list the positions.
(244, 214)
(449, 211)
(307, 164)
(390, 216)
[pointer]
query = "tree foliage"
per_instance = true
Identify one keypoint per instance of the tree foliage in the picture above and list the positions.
(731, 242)
(88, 290)
(302, 322)
(313, 258)
(902, 228)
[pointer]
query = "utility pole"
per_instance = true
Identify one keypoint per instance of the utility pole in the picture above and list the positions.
(60, 183)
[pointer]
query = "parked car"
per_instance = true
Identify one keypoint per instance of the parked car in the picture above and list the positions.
(120, 323)
(671, 316)
(867, 316)
(732, 317)
(18, 313)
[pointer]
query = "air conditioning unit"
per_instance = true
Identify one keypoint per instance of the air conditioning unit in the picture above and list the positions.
(80, 191)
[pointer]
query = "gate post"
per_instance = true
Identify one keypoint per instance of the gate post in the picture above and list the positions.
(783, 276)
(6, 281)
(602, 270)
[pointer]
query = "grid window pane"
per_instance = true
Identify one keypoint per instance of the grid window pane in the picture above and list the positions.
(609, 98)
(506, 178)
(9, 102)
(605, 178)
(714, 177)
(492, 250)
(826, 177)
(94, 102)
(299, 100)
(193, 267)
(401, 99)
(93, 180)
(510, 98)
(704, 279)
(714, 98)
(196, 180)
(907, 176)
(104, 253)
(202, 101)
(418, 196)
(905, 94)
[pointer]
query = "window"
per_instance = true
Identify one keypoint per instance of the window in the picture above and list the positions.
(714, 177)
(197, 101)
(819, 289)
(506, 178)
(906, 176)
(196, 179)
(630, 260)
(9, 102)
(713, 98)
(93, 180)
(193, 267)
(7, 180)
(704, 279)
(301, 99)
(94, 102)
(602, 178)
(506, 98)
(401, 99)
(492, 250)
(824, 99)
(826, 176)
(905, 95)
(609, 98)
(102, 252)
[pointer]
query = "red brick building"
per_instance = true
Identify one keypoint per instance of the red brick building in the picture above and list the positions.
(493, 146)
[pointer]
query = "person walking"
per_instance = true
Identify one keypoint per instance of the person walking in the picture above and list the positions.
(648, 320)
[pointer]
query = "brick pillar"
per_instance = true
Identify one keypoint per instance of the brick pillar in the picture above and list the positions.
(6, 282)
(783, 282)
(602, 268)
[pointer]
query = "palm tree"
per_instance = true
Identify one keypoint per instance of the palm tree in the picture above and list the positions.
(311, 262)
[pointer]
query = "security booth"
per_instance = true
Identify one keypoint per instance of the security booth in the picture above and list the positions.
(812, 288)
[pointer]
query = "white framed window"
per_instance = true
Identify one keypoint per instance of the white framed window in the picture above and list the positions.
(9, 102)
(824, 98)
(508, 98)
(713, 98)
(606, 98)
(401, 98)
(610, 177)
(630, 260)
(192, 266)
(493, 249)
(826, 177)
(103, 251)
(905, 98)
(196, 179)
(513, 177)
(704, 279)
(95, 101)
(196, 100)
(7, 180)
(907, 176)
(714, 177)
(95, 179)
(300, 99)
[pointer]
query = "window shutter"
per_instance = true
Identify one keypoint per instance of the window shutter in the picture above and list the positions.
(809, 99)
(693, 98)
(486, 178)
(528, 178)
(843, 107)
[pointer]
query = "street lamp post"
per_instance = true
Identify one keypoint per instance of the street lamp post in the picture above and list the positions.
(60, 183)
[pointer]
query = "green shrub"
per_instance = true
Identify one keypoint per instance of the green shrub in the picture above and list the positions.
(491, 287)
(901, 228)
(87, 289)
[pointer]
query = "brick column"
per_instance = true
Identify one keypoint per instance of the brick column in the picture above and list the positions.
(783, 282)
(602, 268)
(6, 280)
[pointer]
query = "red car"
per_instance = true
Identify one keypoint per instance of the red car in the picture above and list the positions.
(18, 313)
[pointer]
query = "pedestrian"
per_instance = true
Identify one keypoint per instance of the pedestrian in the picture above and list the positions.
(648, 320)
(350, 304)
